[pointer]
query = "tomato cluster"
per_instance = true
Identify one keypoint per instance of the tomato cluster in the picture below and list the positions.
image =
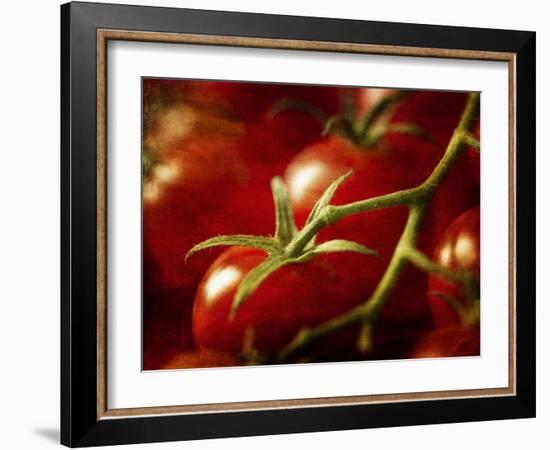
(210, 150)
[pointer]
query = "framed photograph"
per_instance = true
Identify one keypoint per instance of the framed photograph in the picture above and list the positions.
(277, 224)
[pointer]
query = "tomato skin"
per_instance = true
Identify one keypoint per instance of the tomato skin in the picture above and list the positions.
(449, 342)
(252, 101)
(459, 249)
(182, 211)
(293, 297)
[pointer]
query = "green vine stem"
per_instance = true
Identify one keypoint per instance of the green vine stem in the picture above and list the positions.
(416, 199)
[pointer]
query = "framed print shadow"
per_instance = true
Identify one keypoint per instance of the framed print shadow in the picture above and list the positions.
(276, 224)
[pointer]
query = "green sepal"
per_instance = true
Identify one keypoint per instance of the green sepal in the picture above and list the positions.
(253, 279)
(380, 108)
(267, 244)
(343, 245)
(378, 131)
(285, 228)
(331, 123)
(410, 128)
(326, 197)
(467, 314)
(336, 245)
(257, 275)
(295, 104)
(453, 302)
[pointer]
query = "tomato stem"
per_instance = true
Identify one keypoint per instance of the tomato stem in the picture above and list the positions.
(417, 199)
(426, 264)
(471, 140)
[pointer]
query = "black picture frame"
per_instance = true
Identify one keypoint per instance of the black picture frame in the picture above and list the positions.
(80, 425)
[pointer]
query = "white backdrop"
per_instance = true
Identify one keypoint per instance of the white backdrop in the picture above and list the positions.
(29, 243)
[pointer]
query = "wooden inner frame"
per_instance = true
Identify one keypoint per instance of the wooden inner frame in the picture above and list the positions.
(103, 36)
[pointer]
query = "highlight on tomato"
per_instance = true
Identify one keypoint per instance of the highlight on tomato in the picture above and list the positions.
(452, 302)
(454, 292)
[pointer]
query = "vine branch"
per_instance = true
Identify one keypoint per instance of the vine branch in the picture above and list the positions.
(416, 199)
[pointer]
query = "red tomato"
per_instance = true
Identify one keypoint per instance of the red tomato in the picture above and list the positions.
(449, 342)
(251, 101)
(293, 297)
(182, 195)
(458, 250)
(192, 159)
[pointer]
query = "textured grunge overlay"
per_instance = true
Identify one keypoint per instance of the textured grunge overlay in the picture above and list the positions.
(301, 224)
